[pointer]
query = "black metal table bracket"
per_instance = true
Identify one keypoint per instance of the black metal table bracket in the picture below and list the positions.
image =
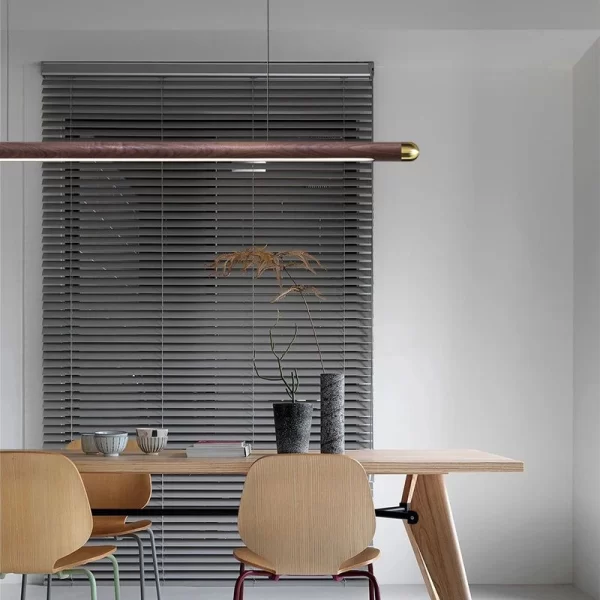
(402, 511)
(171, 511)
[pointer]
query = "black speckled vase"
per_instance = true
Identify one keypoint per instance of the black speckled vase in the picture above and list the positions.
(332, 413)
(292, 426)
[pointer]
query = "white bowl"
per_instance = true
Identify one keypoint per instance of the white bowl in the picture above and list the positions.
(111, 443)
(151, 441)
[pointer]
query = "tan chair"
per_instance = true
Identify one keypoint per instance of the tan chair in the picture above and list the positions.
(306, 514)
(127, 490)
(45, 519)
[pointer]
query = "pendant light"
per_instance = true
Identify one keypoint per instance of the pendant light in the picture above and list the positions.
(87, 151)
(257, 152)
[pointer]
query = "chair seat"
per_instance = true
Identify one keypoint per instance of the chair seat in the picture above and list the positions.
(366, 557)
(115, 528)
(83, 556)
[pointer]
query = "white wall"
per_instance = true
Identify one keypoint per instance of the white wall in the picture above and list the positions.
(473, 250)
(10, 273)
(473, 304)
(587, 323)
(9, 410)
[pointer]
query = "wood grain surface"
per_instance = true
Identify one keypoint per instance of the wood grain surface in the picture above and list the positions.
(434, 540)
(116, 490)
(44, 511)
(375, 462)
(307, 514)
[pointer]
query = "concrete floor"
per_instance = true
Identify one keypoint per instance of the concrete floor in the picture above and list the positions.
(10, 591)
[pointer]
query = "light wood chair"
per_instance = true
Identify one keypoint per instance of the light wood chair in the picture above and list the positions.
(45, 519)
(306, 514)
(127, 490)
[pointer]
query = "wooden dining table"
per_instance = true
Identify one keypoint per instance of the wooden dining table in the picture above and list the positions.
(424, 506)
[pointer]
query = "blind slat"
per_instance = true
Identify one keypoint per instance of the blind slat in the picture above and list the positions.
(136, 330)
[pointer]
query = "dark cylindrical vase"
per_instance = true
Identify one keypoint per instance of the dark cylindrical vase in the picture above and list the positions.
(292, 426)
(332, 413)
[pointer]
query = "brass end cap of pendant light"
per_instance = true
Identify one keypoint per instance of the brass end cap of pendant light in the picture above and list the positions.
(409, 152)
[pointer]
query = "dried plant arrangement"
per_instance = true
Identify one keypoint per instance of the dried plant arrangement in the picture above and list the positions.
(281, 263)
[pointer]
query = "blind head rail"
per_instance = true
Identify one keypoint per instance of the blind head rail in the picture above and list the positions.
(209, 69)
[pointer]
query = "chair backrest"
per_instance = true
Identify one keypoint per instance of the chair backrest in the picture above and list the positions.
(306, 514)
(44, 511)
(116, 490)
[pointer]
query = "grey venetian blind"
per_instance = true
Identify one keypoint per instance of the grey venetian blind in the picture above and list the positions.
(137, 331)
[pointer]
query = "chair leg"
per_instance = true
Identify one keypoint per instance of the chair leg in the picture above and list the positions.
(376, 589)
(141, 558)
(238, 591)
(88, 574)
(49, 587)
(23, 586)
(239, 583)
(241, 591)
(371, 587)
(116, 581)
(155, 563)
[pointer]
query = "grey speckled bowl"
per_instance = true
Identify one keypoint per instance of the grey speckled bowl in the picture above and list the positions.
(111, 443)
(88, 443)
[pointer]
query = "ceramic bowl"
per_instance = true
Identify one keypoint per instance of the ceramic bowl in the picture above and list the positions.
(151, 441)
(111, 443)
(88, 443)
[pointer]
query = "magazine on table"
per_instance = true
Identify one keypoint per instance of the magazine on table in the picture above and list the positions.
(219, 448)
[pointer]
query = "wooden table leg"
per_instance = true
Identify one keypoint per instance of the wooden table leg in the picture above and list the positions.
(433, 538)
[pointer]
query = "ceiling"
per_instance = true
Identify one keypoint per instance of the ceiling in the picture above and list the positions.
(504, 33)
(352, 15)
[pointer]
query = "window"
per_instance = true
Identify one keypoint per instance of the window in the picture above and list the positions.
(137, 331)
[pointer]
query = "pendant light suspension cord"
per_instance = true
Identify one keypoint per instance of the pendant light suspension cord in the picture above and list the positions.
(71, 340)
(268, 59)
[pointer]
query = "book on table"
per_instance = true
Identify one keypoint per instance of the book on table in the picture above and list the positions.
(218, 448)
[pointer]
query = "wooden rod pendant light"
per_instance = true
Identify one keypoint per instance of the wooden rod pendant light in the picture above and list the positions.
(208, 151)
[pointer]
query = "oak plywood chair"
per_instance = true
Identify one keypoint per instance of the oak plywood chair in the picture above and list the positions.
(303, 514)
(45, 519)
(126, 490)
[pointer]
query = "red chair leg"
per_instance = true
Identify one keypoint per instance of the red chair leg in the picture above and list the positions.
(371, 586)
(239, 582)
(240, 595)
(373, 581)
(238, 590)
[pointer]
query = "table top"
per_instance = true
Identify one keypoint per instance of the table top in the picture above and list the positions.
(375, 462)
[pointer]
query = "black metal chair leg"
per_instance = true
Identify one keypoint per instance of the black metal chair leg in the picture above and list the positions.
(23, 587)
(49, 587)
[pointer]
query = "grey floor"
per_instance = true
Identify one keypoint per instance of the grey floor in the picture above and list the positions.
(10, 591)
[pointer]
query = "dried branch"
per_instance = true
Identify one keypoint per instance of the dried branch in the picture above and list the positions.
(291, 341)
(261, 261)
(291, 388)
(312, 324)
(299, 289)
